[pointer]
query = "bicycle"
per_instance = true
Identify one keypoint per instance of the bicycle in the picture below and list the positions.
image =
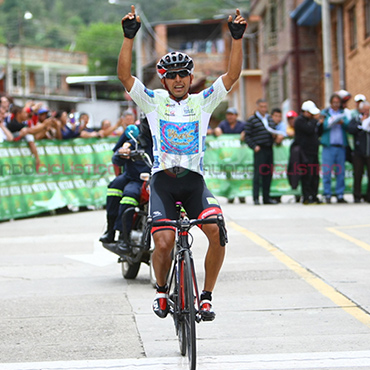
(184, 301)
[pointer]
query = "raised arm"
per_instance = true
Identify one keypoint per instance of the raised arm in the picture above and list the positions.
(237, 28)
(130, 25)
(8, 134)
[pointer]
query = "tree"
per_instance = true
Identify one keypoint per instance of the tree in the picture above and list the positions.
(102, 42)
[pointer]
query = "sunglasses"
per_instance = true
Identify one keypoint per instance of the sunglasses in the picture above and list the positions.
(172, 75)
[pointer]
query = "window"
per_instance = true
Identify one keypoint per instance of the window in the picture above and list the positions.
(272, 23)
(352, 28)
(285, 81)
(39, 80)
(367, 17)
(273, 90)
(282, 14)
(17, 78)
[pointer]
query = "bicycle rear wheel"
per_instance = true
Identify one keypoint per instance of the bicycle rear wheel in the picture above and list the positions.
(189, 310)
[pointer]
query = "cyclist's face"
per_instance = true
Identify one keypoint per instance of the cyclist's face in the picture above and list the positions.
(178, 86)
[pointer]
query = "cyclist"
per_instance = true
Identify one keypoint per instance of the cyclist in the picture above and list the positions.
(124, 191)
(178, 122)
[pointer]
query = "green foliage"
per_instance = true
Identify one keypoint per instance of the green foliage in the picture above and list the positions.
(93, 26)
(102, 42)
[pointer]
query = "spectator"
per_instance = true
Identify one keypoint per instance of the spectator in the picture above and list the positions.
(66, 132)
(47, 127)
(291, 116)
(280, 127)
(345, 97)
(18, 128)
(5, 134)
(259, 136)
(32, 110)
(86, 132)
(107, 129)
(5, 104)
(359, 127)
(307, 132)
(334, 141)
(128, 119)
(231, 125)
(359, 98)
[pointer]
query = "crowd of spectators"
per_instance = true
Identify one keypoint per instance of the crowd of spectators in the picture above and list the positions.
(311, 127)
(331, 127)
(34, 121)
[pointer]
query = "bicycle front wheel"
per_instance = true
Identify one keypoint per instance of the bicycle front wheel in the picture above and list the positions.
(189, 310)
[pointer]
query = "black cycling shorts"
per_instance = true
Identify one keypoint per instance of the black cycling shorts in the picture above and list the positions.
(187, 187)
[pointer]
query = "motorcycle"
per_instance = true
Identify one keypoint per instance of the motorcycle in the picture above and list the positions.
(141, 251)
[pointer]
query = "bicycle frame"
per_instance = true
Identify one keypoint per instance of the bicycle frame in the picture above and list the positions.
(184, 298)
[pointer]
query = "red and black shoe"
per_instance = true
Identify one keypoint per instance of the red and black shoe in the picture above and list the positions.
(206, 311)
(160, 304)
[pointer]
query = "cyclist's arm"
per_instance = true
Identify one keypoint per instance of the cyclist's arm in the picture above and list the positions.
(124, 64)
(236, 55)
(125, 55)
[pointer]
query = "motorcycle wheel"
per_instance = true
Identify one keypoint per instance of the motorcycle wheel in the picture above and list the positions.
(130, 271)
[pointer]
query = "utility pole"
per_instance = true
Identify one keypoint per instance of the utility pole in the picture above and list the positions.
(326, 45)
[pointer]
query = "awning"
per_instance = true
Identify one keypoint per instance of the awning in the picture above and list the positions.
(307, 14)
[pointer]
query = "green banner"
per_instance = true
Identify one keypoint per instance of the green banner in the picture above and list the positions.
(77, 172)
(72, 172)
(228, 165)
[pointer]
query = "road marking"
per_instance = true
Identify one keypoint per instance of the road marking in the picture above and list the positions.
(284, 361)
(100, 256)
(335, 296)
(351, 239)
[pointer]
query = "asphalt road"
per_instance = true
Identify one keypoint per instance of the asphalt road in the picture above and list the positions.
(294, 293)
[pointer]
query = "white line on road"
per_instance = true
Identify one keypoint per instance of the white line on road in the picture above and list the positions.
(314, 360)
(100, 256)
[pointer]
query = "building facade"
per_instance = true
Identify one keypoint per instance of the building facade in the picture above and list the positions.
(39, 73)
(290, 49)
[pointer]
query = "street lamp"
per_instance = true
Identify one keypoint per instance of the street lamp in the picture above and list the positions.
(26, 16)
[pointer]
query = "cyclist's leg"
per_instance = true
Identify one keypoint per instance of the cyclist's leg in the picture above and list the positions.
(161, 207)
(202, 204)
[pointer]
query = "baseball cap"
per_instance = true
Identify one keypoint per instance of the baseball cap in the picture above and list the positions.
(291, 114)
(42, 110)
(232, 111)
(344, 94)
(360, 97)
(310, 106)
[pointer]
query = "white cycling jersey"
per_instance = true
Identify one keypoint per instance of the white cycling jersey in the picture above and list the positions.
(179, 129)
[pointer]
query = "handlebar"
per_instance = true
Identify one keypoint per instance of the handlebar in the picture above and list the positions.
(186, 224)
(137, 154)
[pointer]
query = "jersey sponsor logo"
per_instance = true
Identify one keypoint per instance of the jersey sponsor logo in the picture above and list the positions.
(179, 137)
(170, 105)
(156, 162)
(212, 200)
(209, 212)
(188, 111)
(208, 92)
(149, 92)
(171, 113)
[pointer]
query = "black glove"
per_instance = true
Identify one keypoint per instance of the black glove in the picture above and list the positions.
(237, 30)
(130, 27)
